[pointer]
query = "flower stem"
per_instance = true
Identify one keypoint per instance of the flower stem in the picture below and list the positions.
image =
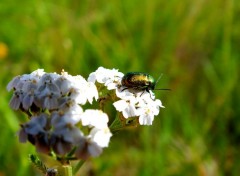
(116, 125)
(65, 170)
(78, 166)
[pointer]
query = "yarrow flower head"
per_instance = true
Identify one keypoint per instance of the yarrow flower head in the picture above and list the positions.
(129, 101)
(67, 117)
(53, 103)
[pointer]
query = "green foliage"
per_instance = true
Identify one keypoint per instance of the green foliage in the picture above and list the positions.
(195, 44)
(38, 163)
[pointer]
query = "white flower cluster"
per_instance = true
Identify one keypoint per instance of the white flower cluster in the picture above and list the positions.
(109, 78)
(57, 121)
(131, 103)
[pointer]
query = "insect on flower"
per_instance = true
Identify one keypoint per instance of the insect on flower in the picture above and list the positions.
(139, 81)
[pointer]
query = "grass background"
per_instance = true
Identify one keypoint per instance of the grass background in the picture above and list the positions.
(195, 44)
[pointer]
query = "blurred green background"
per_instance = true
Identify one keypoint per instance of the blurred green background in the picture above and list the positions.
(195, 44)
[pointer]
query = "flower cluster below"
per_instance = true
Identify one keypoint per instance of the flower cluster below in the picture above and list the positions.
(57, 122)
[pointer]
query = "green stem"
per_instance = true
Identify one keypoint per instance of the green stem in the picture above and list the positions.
(116, 125)
(121, 123)
(78, 166)
(65, 170)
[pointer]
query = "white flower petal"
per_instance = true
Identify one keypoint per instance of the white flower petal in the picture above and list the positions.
(101, 136)
(146, 119)
(130, 111)
(95, 118)
(13, 83)
(120, 105)
(94, 150)
(27, 101)
(16, 100)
